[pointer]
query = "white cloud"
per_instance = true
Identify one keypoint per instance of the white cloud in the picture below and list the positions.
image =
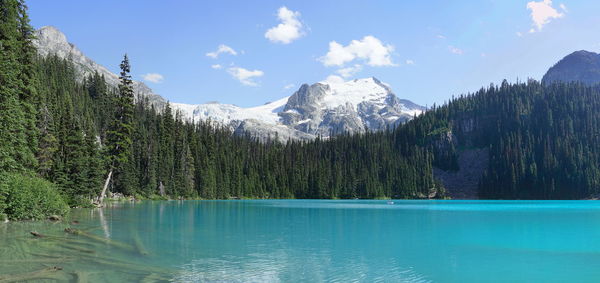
(410, 62)
(288, 30)
(440, 36)
(216, 66)
(288, 86)
(221, 49)
(455, 50)
(153, 78)
(245, 76)
(349, 71)
(542, 13)
(333, 79)
(369, 49)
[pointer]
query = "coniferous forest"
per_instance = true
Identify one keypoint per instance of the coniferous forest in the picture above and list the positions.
(63, 140)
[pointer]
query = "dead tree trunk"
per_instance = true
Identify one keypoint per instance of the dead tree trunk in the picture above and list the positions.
(161, 189)
(103, 194)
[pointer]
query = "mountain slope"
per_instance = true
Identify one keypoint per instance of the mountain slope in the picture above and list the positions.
(314, 110)
(51, 41)
(582, 66)
(514, 141)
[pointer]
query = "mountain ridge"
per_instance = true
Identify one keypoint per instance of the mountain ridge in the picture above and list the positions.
(321, 109)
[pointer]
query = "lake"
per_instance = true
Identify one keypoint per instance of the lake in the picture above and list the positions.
(314, 241)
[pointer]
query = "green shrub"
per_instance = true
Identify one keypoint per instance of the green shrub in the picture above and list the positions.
(26, 197)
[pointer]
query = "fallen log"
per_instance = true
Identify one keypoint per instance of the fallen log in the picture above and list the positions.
(54, 218)
(99, 239)
(46, 273)
(129, 267)
(36, 234)
(36, 260)
(78, 249)
(139, 245)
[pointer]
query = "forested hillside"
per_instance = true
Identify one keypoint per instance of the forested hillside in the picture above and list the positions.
(67, 138)
(543, 141)
(200, 160)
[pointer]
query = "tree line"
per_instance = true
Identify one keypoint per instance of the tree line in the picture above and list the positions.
(166, 154)
(82, 136)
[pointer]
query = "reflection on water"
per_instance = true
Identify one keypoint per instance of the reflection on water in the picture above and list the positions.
(312, 241)
(103, 222)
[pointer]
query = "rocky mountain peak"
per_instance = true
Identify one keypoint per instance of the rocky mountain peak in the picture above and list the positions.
(582, 66)
(52, 37)
(353, 106)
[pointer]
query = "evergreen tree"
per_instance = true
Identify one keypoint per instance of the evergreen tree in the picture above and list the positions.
(119, 135)
(16, 121)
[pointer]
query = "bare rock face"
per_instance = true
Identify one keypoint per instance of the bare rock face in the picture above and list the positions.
(50, 41)
(321, 109)
(463, 183)
(327, 108)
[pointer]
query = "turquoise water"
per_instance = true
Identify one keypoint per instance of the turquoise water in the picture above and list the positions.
(329, 241)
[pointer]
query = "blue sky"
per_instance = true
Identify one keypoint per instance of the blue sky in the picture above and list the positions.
(426, 50)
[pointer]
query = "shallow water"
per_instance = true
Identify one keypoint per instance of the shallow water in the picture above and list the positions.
(312, 241)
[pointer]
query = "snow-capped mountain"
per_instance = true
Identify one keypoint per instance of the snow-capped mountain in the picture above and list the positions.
(320, 109)
(352, 106)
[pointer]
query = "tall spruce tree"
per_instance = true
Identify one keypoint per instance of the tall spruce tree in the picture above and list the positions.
(119, 135)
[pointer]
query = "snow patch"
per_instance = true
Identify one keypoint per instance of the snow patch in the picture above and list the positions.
(226, 113)
(354, 92)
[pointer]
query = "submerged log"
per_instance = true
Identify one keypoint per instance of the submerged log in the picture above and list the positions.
(46, 273)
(36, 260)
(54, 218)
(73, 231)
(138, 244)
(99, 239)
(75, 248)
(132, 268)
(36, 234)
(64, 240)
